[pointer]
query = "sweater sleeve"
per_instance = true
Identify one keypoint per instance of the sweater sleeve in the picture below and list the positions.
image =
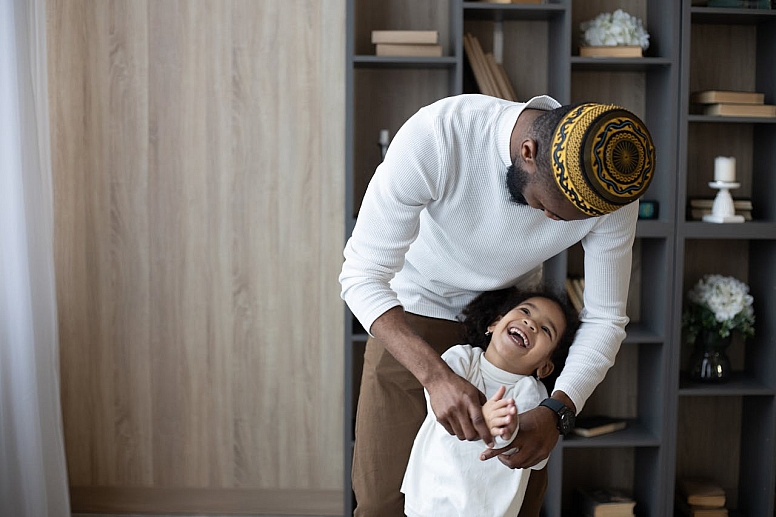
(608, 250)
(389, 218)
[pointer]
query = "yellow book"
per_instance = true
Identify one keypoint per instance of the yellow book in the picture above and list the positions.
(610, 51)
(741, 110)
(727, 96)
(406, 37)
(412, 50)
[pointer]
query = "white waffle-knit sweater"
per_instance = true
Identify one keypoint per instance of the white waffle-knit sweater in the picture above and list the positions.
(437, 227)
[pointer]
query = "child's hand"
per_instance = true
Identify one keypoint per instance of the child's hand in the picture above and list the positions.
(500, 414)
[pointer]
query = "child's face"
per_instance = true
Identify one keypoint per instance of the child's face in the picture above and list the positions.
(524, 339)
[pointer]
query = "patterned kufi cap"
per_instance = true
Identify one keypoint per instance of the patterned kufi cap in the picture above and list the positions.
(602, 157)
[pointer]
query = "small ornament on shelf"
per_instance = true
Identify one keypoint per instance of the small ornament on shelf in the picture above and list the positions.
(616, 34)
(648, 209)
(723, 210)
(383, 141)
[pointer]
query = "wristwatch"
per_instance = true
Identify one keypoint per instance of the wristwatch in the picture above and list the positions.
(566, 417)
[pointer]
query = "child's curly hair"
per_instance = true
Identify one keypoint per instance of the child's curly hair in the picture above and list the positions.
(486, 308)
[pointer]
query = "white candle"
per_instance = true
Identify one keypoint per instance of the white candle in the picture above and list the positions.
(385, 137)
(725, 169)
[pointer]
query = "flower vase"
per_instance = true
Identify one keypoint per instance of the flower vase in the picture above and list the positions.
(709, 361)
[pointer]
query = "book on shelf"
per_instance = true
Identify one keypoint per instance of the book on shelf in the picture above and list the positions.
(700, 492)
(408, 50)
(691, 510)
(698, 207)
(502, 80)
(727, 97)
(575, 290)
(490, 76)
(740, 110)
(610, 51)
(596, 425)
(603, 502)
(696, 214)
(406, 37)
(708, 202)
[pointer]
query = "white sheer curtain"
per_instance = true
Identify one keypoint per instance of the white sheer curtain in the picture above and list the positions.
(33, 475)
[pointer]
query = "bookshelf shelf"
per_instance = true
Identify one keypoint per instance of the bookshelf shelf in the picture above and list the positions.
(619, 64)
(716, 119)
(504, 12)
(368, 61)
(638, 332)
(731, 16)
(635, 435)
(654, 228)
(740, 385)
(749, 230)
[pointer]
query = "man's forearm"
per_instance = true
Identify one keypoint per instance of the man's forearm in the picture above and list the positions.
(559, 395)
(398, 337)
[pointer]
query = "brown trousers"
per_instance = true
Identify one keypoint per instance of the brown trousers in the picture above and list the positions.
(391, 408)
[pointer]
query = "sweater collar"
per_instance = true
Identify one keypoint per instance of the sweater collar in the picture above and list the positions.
(497, 374)
(508, 119)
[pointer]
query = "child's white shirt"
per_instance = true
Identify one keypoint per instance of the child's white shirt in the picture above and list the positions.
(445, 476)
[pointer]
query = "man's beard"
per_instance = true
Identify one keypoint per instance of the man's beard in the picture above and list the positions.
(517, 180)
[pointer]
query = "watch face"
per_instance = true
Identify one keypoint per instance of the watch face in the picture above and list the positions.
(566, 420)
(566, 416)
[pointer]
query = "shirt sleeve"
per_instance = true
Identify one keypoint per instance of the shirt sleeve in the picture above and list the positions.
(608, 253)
(460, 359)
(389, 218)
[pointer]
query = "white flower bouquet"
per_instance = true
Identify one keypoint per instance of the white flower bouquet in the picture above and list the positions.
(718, 304)
(614, 29)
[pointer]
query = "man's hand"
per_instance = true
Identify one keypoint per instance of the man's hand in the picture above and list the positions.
(537, 437)
(500, 415)
(457, 405)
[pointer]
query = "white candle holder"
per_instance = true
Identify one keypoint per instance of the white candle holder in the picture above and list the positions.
(723, 210)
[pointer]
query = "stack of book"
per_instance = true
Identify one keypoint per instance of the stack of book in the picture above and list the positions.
(700, 498)
(603, 502)
(698, 207)
(727, 103)
(490, 75)
(402, 43)
(575, 290)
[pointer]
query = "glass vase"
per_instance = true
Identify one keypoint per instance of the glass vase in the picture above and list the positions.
(709, 361)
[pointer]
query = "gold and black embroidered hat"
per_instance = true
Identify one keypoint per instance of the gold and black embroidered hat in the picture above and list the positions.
(602, 157)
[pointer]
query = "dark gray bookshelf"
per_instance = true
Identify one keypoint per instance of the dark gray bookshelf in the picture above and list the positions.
(675, 425)
(728, 49)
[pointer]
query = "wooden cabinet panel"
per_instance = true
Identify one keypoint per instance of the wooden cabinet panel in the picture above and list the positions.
(198, 156)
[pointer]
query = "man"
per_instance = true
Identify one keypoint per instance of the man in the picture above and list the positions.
(474, 194)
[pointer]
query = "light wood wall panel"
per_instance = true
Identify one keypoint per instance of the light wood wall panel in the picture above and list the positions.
(198, 153)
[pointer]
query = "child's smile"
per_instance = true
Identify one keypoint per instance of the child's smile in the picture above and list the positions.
(519, 337)
(524, 339)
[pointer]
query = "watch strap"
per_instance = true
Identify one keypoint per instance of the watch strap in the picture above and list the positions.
(554, 404)
(564, 413)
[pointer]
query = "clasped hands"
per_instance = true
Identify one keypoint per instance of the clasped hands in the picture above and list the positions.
(461, 409)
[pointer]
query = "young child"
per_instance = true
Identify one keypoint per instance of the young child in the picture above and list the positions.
(525, 337)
